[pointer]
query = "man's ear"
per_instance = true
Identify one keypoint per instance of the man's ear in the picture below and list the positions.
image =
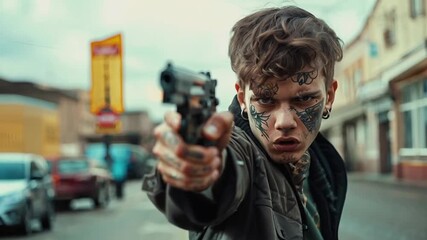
(240, 95)
(330, 94)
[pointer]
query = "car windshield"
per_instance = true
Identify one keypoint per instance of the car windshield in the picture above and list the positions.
(68, 166)
(12, 170)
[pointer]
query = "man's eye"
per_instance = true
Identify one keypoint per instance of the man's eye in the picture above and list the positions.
(304, 98)
(265, 101)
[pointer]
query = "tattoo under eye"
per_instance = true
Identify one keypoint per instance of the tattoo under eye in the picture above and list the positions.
(305, 77)
(260, 120)
(311, 116)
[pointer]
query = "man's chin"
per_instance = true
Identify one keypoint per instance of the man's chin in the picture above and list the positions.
(286, 158)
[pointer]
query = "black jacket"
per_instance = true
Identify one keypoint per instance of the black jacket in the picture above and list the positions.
(255, 198)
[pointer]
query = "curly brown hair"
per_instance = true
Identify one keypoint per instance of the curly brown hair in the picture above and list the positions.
(280, 42)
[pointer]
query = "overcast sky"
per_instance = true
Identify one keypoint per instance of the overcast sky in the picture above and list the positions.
(48, 41)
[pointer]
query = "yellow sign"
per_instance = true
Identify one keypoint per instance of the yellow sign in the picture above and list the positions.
(107, 75)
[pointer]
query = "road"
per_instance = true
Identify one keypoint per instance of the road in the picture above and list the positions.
(133, 218)
(372, 212)
(381, 211)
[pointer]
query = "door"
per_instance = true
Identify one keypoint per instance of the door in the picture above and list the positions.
(384, 143)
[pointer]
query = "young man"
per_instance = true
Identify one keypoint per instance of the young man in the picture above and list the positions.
(271, 175)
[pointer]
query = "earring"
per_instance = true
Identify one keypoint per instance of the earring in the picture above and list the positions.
(244, 114)
(326, 114)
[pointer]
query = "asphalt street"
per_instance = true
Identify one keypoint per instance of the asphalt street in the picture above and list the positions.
(373, 211)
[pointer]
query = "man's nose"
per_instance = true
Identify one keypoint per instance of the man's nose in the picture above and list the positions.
(285, 119)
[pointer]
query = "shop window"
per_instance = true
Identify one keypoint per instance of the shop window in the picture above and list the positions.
(408, 93)
(424, 120)
(417, 8)
(425, 88)
(408, 136)
(414, 113)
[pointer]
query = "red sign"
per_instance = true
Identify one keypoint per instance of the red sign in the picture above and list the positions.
(107, 121)
(106, 50)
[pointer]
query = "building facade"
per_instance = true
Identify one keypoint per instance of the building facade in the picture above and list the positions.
(380, 118)
(74, 124)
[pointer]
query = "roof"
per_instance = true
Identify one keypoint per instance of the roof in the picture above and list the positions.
(360, 34)
(35, 90)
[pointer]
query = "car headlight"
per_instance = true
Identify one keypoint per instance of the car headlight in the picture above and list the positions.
(12, 198)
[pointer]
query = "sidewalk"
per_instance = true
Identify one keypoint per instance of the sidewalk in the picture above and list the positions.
(388, 179)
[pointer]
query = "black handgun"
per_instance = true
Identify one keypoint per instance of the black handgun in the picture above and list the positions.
(194, 95)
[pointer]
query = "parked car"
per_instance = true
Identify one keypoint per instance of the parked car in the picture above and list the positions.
(138, 160)
(26, 192)
(79, 177)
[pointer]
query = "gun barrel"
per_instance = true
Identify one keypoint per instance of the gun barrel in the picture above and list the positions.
(194, 95)
(177, 82)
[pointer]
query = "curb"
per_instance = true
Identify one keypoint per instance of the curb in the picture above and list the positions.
(387, 179)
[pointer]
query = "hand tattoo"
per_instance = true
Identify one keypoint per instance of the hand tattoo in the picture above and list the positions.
(201, 171)
(170, 139)
(193, 154)
(171, 159)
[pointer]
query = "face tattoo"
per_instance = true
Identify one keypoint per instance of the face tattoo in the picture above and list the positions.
(267, 90)
(311, 116)
(305, 77)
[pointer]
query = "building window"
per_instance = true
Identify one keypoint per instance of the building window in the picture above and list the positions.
(357, 76)
(424, 120)
(414, 112)
(390, 28)
(417, 8)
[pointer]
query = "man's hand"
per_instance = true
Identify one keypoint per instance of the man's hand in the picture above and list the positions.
(191, 167)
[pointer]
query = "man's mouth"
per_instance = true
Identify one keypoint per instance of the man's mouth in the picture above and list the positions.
(286, 144)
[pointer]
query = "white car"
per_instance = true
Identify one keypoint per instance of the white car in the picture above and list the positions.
(26, 192)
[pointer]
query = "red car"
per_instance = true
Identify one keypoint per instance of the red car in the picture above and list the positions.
(78, 177)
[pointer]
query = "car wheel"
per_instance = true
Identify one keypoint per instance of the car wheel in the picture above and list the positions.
(47, 219)
(25, 227)
(103, 197)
